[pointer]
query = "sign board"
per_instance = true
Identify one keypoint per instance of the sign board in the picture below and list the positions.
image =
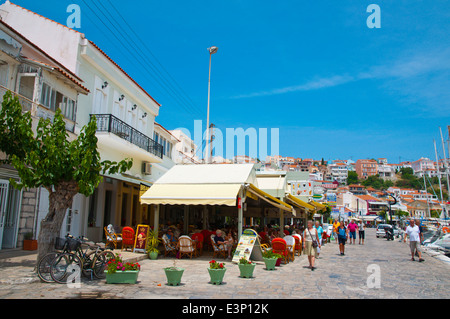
(140, 241)
(248, 247)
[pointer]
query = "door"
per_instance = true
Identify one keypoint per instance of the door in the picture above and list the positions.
(4, 186)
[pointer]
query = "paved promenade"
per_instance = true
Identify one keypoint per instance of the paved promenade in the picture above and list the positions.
(335, 277)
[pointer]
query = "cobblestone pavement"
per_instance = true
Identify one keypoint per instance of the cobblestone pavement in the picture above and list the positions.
(335, 277)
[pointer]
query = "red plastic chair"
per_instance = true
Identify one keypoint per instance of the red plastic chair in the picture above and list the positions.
(198, 238)
(127, 238)
(279, 246)
(298, 245)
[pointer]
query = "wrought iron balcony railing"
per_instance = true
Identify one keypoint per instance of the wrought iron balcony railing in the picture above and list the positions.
(110, 123)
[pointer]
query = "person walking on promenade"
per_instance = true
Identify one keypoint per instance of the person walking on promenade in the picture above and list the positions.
(417, 222)
(311, 243)
(352, 227)
(414, 239)
(319, 234)
(342, 235)
(335, 229)
(361, 231)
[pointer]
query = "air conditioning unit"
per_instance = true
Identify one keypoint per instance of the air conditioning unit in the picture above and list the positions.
(146, 168)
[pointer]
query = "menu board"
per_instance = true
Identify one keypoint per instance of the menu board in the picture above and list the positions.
(248, 247)
(140, 241)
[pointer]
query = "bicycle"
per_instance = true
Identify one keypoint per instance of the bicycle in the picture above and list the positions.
(91, 262)
(70, 257)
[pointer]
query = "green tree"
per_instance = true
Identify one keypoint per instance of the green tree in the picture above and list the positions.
(49, 159)
(352, 178)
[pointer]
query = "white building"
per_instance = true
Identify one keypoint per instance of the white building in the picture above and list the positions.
(125, 114)
(338, 172)
(42, 85)
(185, 150)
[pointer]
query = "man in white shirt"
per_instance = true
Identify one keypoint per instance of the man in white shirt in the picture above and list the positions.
(414, 239)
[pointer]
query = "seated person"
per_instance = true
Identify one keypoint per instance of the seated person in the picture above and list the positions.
(170, 236)
(219, 240)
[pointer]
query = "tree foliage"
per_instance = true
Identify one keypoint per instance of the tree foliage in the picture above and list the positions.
(51, 160)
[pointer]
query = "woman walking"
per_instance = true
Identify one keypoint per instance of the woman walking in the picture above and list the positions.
(311, 243)
(361, 231)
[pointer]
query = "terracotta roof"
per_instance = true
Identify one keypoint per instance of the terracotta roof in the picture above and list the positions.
(368, 197)
(65, 71)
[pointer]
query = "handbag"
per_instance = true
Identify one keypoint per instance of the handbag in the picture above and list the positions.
(314, 242)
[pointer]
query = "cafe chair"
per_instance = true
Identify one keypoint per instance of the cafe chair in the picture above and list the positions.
(112, 238)
(290, 244)
(279, 246)
(127, 238)
(218, 250)
(298, 244)
(169, 247)
(198, 239)
(186, 246)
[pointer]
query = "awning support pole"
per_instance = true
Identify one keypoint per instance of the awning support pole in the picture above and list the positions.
(156, 219)
(281, 222)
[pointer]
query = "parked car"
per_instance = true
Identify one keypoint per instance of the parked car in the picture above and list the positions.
(382, 233)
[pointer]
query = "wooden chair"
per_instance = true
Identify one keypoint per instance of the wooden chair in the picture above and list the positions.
(169, 247)
(279, 246)
(298, 244)
(112, 237)
(290, 245)
(127, 238)
(186, 246)
(198, 238)
(219, 250)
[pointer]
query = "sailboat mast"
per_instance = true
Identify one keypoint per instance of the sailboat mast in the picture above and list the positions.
(438, 170)
(445, 164)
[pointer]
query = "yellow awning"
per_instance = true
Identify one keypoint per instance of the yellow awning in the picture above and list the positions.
(319, 206)
(299, 202)
(192, 194)
(269, 198)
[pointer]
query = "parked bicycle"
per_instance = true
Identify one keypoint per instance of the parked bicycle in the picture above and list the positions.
(69, 257)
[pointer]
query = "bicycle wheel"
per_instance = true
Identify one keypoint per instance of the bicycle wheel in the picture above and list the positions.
(44, 265)
(64, 265)
(99, 264)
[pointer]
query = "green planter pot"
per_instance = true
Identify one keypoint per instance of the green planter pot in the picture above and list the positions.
(246, 270)
(122, 277)
(216, 275)
(153, 255)
(270, 263)
(173, 275)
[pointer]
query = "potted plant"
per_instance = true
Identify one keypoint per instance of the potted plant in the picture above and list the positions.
(29, 243)
(152, 244)
(118, 272)
(246, 268)
(174, 274)
(270, 259)
(216, 272)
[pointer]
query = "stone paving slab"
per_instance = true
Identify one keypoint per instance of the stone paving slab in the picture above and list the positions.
(335, 277)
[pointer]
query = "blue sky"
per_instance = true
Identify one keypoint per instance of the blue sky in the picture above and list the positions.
(313, 69)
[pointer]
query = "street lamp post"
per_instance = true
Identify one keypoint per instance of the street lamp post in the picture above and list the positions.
(211, 50)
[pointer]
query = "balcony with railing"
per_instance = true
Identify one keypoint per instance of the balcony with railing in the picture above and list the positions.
(111, 124)
(36, 109)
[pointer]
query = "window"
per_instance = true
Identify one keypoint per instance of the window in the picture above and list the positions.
(53, 100)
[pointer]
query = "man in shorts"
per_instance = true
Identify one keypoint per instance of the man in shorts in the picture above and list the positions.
(352, 227)
(335, 229)
(414, 239)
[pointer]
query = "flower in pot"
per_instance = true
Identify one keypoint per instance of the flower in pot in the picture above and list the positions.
(120, 272)
(246, 268)
(270, 259)
(152, 244)
(216, 272)
(174, 274)
(29, 243)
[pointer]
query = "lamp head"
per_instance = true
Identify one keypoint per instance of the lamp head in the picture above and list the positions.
(213, 49)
